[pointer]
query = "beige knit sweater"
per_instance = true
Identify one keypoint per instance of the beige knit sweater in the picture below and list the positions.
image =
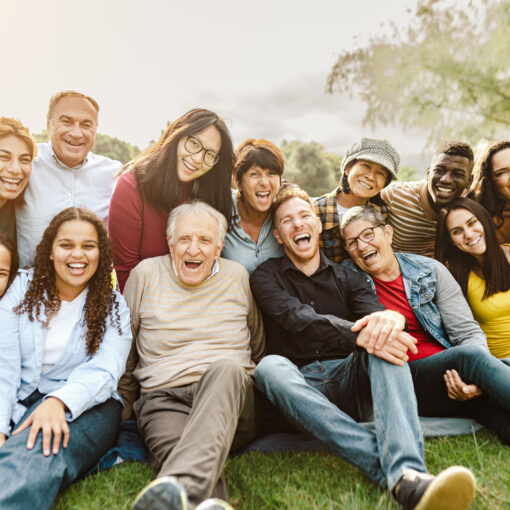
(178, 331)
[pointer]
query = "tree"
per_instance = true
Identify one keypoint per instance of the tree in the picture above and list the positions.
(104, 145)
(309, 166)
(448, 72)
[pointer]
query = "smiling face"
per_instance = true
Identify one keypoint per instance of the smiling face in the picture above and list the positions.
(258, 187)
(15, 167)
(374, 257)
(500, 163)
(192, 166)
(366, 179)
(5, 268)
(297, 228)
(194, 247)
(72, 129)
(447, 177)
(75, 255)
(466, 232)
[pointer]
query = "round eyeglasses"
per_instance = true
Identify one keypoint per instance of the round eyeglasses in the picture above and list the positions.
(366, 235)
(194, 146)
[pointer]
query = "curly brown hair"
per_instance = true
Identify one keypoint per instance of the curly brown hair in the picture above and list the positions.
(42, 294)
(483, 189)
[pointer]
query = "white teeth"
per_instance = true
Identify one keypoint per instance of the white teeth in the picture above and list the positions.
(11, 181)
(370, 253)
(472, 243)
(365, 185)
(444, 190)
(188, 166)
(301, 236)
(77, 266)
(263, 194)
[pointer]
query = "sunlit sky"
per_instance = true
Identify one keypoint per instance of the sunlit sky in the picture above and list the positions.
(261, 65)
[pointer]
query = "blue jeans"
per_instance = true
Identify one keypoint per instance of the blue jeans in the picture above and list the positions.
(326, 399)
(31, 480)
(475, 366)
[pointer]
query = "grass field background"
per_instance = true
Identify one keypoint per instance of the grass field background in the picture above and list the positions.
(304, 480)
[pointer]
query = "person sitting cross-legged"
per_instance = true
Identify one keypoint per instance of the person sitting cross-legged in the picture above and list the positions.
(453, 372)
(336, 356)
(197, 335)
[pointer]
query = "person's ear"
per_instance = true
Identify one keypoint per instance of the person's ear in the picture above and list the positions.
(277, 236)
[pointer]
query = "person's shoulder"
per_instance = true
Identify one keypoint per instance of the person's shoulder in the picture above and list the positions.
(127, 181)
(103, 162)
(152, 266)
(43, 153)
(233, 270)
(410, 186)
(323, 200)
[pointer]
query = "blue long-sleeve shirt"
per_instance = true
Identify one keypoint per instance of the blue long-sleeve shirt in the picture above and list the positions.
(79, 380)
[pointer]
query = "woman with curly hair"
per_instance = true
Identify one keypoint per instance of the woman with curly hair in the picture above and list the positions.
(491, 186)
(467, 244)
(65, 339)
(9, 262)
(193, 159)
(257, 174)
(17, 150)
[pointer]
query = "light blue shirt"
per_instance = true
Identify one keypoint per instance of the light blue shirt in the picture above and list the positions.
(54, 187)
(239, 246)
(79, 380)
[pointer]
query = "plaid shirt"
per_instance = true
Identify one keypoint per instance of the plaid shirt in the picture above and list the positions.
(330, 242)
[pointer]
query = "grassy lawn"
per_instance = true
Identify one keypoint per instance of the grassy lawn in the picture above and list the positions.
(302, 481)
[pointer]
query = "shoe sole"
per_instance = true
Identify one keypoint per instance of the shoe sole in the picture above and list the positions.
(157, 496)
(452, 489)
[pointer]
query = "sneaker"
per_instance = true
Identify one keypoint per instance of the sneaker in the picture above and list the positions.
(164, 493)
(452, 489)
(214, 504)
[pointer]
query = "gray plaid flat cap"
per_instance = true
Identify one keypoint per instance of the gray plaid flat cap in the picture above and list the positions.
(377, 151)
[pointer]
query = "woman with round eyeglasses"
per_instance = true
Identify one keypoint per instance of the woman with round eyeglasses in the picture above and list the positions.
(17, 150)
(367, 168)
(257, 174)
(491, 186)
(192, 159)
(467, 244)
(66, 336)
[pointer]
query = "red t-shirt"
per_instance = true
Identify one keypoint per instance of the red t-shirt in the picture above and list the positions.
(393, 296)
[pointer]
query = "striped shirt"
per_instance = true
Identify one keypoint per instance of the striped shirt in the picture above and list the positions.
(414, 230)
(178, 331)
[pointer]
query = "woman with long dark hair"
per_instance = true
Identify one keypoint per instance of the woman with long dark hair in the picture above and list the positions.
(491, 186)
(257, 174)
(467, 244)
(65, 339)
(193, 159)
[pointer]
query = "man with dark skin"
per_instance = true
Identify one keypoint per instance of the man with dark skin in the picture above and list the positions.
(414, 206)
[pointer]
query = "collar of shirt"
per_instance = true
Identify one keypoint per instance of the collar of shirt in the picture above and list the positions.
(64, 166)
(287, 264)
(215, 268)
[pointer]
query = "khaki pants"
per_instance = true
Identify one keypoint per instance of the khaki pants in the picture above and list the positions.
(189, 430)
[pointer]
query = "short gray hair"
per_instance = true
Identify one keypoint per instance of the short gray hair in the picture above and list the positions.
(196, 208)
(365, 212)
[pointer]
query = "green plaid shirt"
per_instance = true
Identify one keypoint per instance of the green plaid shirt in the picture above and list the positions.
(330, 242)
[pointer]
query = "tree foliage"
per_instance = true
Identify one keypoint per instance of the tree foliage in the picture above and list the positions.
(309, 166)
(448, 71)
(104, 145)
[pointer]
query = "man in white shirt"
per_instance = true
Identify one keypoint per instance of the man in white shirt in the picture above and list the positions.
(65, 173)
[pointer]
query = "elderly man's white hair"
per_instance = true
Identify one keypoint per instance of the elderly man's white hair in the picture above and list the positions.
(198, 209)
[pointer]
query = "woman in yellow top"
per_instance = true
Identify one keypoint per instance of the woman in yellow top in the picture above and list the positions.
(467, 243)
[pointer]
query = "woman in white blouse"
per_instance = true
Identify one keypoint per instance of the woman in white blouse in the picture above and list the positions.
(64, 343)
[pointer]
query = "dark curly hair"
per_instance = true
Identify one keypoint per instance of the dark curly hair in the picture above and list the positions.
(483, 189)
(42, 294)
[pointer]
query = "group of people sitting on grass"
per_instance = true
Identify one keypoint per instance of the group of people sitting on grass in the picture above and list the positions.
(192, 288)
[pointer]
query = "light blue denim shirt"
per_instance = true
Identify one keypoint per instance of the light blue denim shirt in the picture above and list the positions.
(436, 300)
(79, 380)
(54, 187)
(239, 246)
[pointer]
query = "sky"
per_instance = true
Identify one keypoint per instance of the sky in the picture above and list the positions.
(262, 65)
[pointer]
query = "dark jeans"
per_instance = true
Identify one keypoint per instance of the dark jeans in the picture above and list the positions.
(31, 481)
(475, 366)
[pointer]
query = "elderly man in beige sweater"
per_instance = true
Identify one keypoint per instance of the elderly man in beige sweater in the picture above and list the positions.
(197, 334)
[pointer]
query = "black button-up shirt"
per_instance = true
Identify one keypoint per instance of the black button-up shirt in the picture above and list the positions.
(308, 318)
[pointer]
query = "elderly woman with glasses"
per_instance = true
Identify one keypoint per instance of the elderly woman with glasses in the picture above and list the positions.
(257, 174)
(192, 159)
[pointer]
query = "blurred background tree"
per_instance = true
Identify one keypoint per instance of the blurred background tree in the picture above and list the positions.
(105, 145)
(447, 72)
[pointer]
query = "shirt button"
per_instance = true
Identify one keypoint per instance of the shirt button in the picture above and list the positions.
(312, 302)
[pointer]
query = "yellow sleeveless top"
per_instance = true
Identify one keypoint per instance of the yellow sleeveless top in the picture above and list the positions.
(493, 315)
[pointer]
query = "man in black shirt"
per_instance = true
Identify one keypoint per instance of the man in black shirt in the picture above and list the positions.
(337, 357)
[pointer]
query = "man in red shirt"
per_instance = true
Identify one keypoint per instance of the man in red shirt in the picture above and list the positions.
(453, 372)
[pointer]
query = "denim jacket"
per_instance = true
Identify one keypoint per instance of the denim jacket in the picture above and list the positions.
(436, 300)
(79, 380)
